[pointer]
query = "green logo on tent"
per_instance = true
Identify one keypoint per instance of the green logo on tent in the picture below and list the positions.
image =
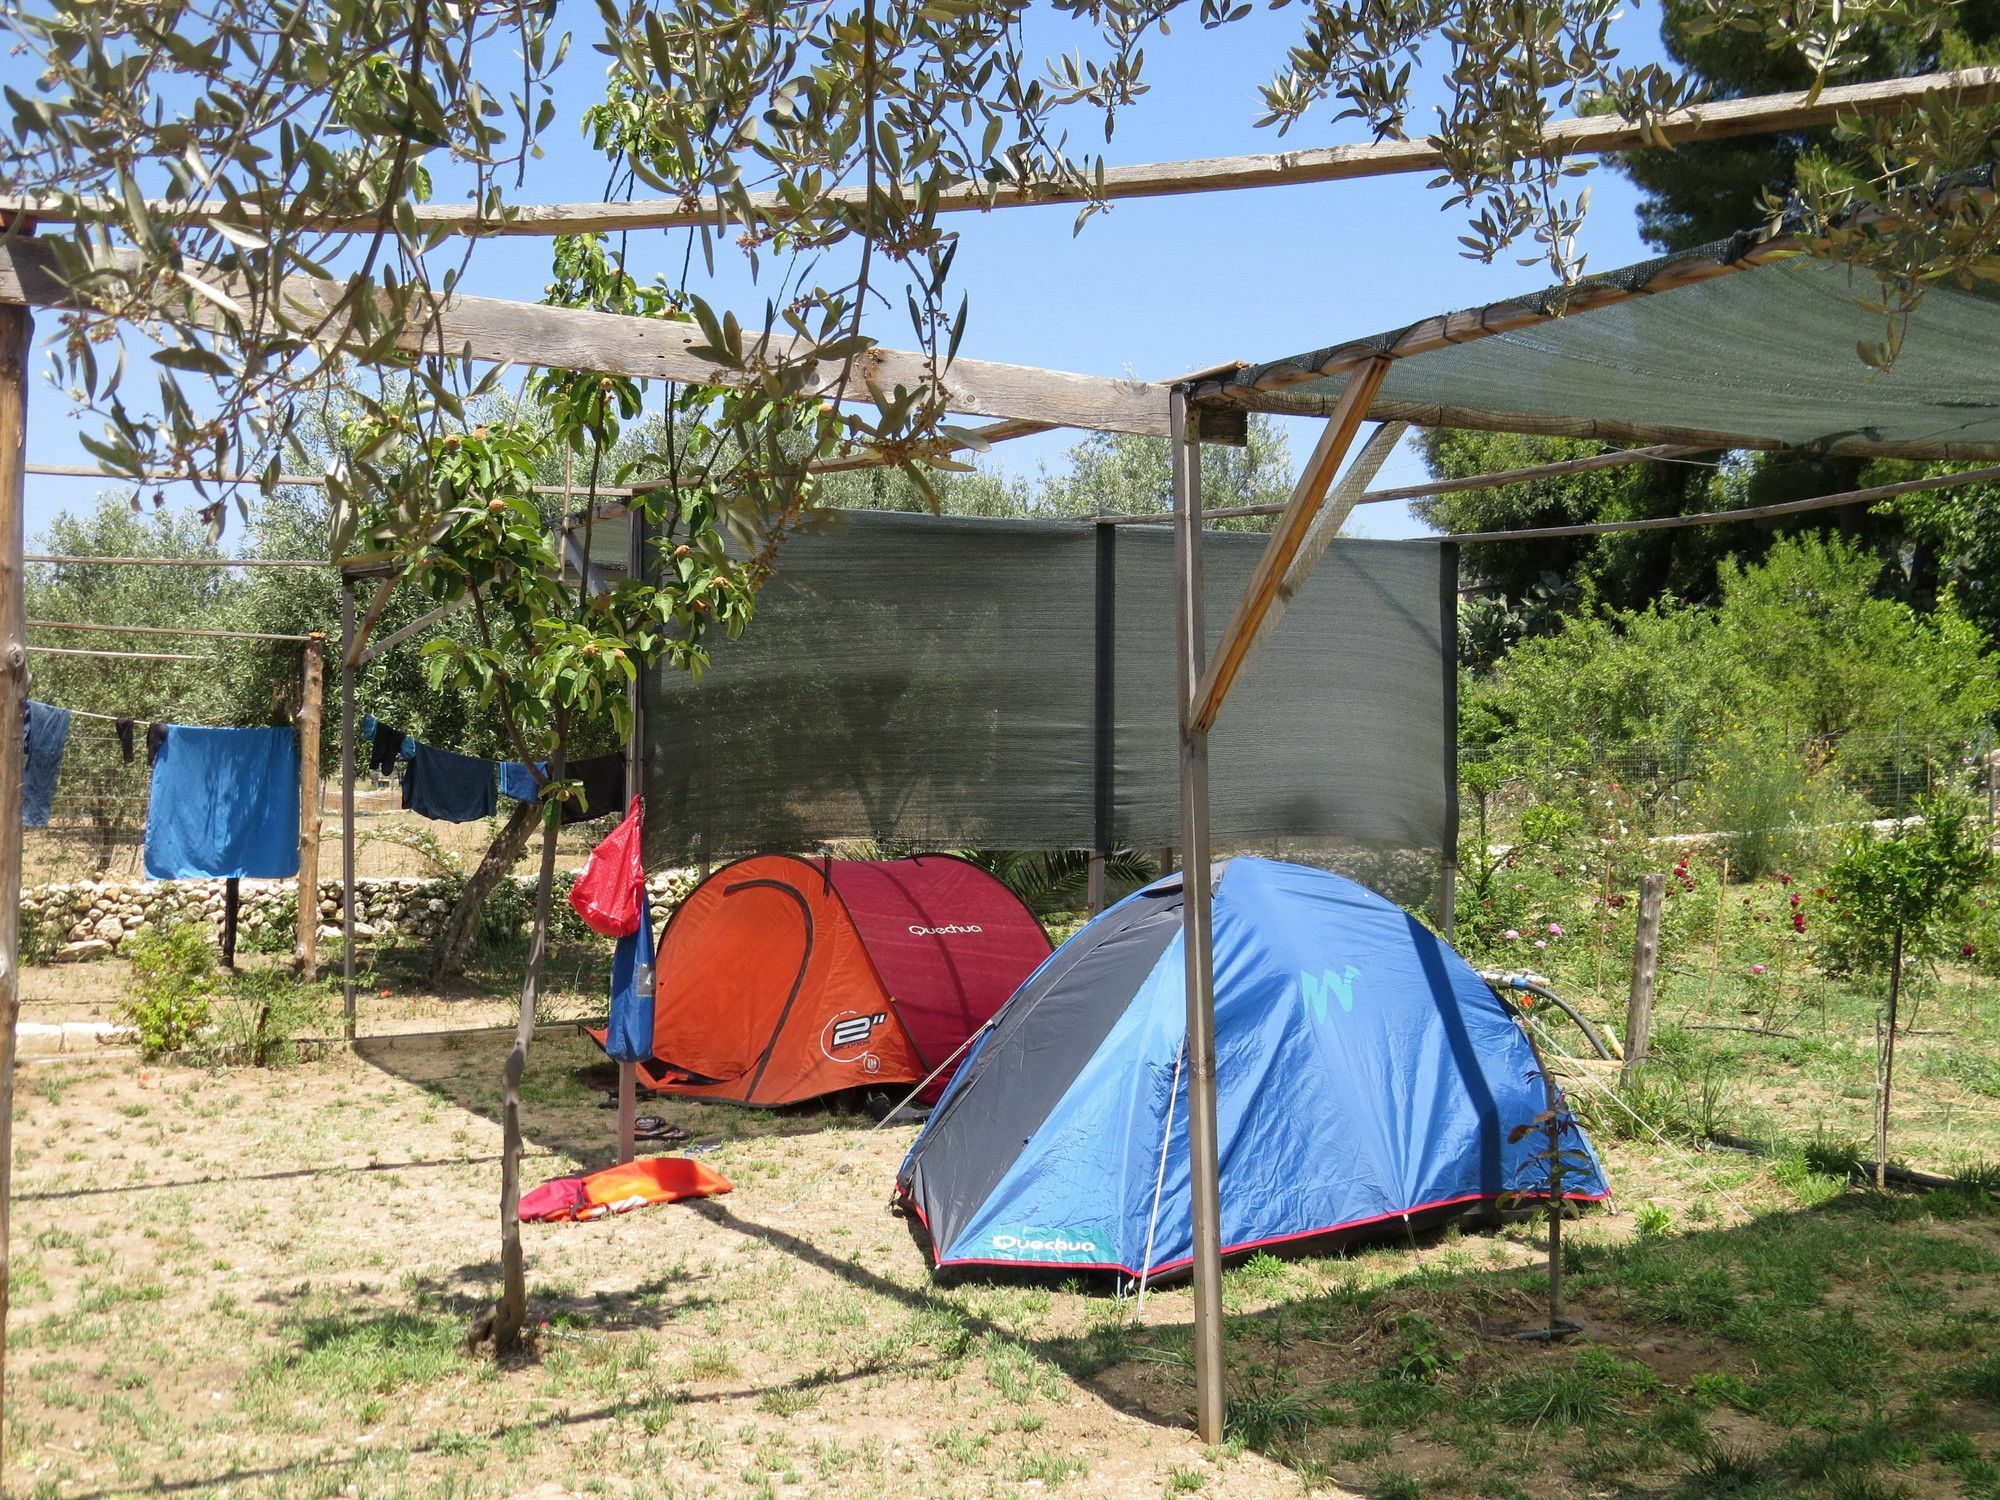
(1314, 992)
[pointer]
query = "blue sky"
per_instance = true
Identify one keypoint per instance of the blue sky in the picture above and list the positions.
(1149, 288)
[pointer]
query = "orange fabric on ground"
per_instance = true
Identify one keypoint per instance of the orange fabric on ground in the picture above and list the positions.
(619, 1189)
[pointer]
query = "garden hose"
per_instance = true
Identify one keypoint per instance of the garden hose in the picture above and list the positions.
(1503, 982)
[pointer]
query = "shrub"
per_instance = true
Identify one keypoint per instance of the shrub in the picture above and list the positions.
(173, 979)
(259, 1020)
(41, 938)
(1772, 807)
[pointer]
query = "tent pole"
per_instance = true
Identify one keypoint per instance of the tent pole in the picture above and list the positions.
(1203, 1159)
(346, 806)
(17, 329)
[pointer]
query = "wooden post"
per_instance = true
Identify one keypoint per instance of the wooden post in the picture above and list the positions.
(312, 693)
(1094, 891)
(232, 906)
(346, 806)
(1447, 897)
(1992, 790)
(1715, 948)
(16, 336)
(1645, 969)
(1204, 1163)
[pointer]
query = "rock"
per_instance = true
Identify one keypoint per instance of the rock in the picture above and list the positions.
(88, 949)
(109, 930)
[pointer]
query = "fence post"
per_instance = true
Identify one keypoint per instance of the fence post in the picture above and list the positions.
(1645, 969)
(1992, 789)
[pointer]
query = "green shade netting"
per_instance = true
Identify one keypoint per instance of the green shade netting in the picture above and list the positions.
(1012, 684)
(1764, 357)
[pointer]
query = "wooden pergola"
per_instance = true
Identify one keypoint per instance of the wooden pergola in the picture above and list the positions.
(1018, 400)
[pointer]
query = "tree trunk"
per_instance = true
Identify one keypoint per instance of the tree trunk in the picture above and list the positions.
(455, 940)
(510, 1314)
(1888, 1068)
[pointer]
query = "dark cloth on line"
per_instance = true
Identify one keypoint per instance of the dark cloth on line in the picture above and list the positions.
(156, 736)
(449, 787)
(518, 782)
(124, 728)
(603, 778)
(387, 742)
(225, 804)
(48, 734)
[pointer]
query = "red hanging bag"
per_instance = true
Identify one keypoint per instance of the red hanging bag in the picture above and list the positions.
(606, 893)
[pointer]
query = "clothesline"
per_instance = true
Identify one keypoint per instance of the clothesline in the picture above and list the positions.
(117, 655)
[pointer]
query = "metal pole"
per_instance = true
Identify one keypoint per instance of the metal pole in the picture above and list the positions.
(1204, 1162)
(17, 329)
(312, 689)
(346, 806)
(1104, 713)
(635, 781)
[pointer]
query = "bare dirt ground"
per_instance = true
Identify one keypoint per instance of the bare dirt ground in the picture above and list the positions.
(253, 1283)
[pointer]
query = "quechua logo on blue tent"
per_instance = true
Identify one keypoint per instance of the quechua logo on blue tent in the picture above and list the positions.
(1315, 991)
(1089, 1245)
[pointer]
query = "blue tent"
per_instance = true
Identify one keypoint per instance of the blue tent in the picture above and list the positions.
(1365, 1075)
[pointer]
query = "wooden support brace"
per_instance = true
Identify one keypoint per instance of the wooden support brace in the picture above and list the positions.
(374, 613)
(1287, 538)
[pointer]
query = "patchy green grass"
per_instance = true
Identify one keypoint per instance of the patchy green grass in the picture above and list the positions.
(257, 1282)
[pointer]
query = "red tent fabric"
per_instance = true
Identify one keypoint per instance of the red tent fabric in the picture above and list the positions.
(781, 978)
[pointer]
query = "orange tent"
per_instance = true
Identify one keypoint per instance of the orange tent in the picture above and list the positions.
(781, 978)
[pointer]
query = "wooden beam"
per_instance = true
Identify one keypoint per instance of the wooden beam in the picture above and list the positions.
(1575, 135)
(1287, 537)
(1440, 486)
(1532, 472)
(566, 338)
(1605, 430)
(17, 329)
(312, 693)
(1989, 474)
(422, 622)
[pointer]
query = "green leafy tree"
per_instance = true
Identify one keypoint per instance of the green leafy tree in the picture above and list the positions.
(1901, 895)
(546, 665)
(201, 160)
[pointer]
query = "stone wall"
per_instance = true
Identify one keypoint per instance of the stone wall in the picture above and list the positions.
(75, 920)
